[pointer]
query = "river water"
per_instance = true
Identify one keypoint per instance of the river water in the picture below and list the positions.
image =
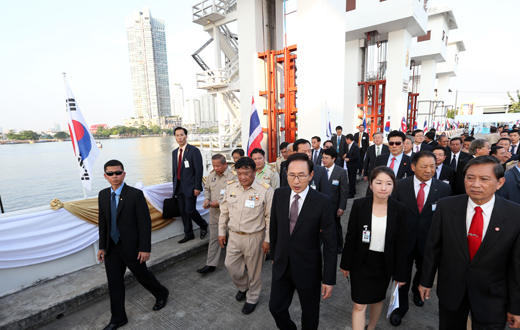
(34, 174)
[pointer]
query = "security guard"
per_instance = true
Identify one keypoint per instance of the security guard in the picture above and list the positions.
(284, 154)
(214, 190)
(264, 172)
(246, 211)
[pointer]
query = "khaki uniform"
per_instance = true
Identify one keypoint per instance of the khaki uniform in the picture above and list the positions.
(279, 161)
(247, 214)
(215, 188)
(269, 176)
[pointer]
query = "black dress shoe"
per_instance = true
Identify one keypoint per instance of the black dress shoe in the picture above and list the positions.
(206, 269)
(114, 326)
(241, 295)
(395, 318)
(159, 304)
(186, 238)
(203, 232)
(417, 300)
(248, 308)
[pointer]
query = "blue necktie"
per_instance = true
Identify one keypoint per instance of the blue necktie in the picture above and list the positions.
(114, 233)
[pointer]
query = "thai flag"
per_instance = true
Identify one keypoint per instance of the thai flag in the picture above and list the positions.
(425, 124)
(83, 143)
(328, 129)
(448, 125)
(255, 130)
(403, 125)
(364, 120)
(517, 122)
(415, 124)
(439, 125)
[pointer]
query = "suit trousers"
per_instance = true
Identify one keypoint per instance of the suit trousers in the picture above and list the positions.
(351, 179)
(282, 292)
(188, 207)
(116, 261)
(457, 320)
(246, 251)
(403, 290)
(214, 247)
(339, 232)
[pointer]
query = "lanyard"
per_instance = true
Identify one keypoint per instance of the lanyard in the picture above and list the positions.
(261, 173)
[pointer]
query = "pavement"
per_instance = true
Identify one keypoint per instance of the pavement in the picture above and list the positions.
(207, 301)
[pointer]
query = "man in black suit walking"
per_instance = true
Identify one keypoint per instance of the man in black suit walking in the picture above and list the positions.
(477, 148)
(396, 159)
(443, 172)
(455, 153)
(316, 150)
(338, 142)
(125, 234)
(418, 139)
(351, 157)
(187, 183)
(474, 243)
(429, 139)
(298, 215)
(363, 141)
(375, 150)
(420, 193)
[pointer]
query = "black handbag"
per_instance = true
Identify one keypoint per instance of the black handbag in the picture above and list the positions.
(171, 208)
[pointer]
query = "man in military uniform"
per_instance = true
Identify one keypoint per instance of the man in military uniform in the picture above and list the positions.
(214, 190)
(264, 172)
(284, 154)
(246, 211)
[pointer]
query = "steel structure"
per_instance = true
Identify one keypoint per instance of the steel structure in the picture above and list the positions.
(411, 115)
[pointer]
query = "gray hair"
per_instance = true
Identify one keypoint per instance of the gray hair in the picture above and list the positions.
(220, 157)
(476, 144)
(409, 137)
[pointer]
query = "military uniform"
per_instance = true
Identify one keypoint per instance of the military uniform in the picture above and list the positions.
(269, 176)
(215, 188)
(247, 214)
(279, 161)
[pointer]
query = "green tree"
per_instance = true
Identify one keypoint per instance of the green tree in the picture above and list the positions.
(515, 104)
(155, 129)
(61, 135)
(451, 113)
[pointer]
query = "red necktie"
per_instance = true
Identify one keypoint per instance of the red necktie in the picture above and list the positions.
(392, 164)
(420, 197)
(475, 232)
(179, 165)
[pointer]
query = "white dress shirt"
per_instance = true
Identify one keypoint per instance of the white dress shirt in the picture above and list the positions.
(438, 171)
(417, 187)
(516, 148)
(329, 170)
(410, 154)
(377, 234)
(457, 155)
(487, 209)
(416, 147)
(397, 162)
(303, 194)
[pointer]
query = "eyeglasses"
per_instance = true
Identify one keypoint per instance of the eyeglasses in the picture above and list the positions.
(300, 177)
(112, 173)
(398, 143)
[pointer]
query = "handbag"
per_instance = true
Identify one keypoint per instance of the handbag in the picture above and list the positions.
(171, 208)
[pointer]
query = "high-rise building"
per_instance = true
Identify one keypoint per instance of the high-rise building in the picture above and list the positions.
(191, 115)
(148, 65)
(56, 127)
(178, 100)
(207, 110)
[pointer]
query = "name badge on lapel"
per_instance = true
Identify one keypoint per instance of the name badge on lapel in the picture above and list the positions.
(250, 204)
(186, 164)
(366, 235)
(446, 181)
(434, 206)
(335, 182)
(223, 191)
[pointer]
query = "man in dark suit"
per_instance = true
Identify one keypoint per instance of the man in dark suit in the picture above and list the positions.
(443, 172)
(429, 139)
(316, 150)
(511, 188)
(125, 234)
(351, 157)
(420, 193)
(363, 141)
(514, 136)
(338, 191)
(474, 243)
(418, 141)
(477, 148)
(396, 160)
(319, 180)
(506, 144)
(455, 153)
(338, 142)
(375, 150)
(298, 215)
(187, 183)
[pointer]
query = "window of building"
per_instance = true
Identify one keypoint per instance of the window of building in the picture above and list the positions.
(425, 37)
(351, 5)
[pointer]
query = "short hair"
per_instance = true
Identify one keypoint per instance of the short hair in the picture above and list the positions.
(504, 139)
(339, 127)
(300, 157)
(178, 128)
(376, 133)
(297, 143)
(290, 146)
(476, 144)
(494, 150)
(350, 137)
(417, 131)
(361, 125)
(493, 129)
(382, 169)
(245, 163)
(317, 138)
(514, 131)
(456, 139)
(220, 157)
(257, 151)
(328, 141)
(423, 154)
(284, 145)
(464, 135)
(498, 170)
(470, 138)
(113, 162)
(330, 152)
(396, 134)
(441, 136)
(439, 148)
(430, 135)
(238, 151)
(409, 137)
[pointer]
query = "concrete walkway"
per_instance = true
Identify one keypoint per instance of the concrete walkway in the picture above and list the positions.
(207, 302)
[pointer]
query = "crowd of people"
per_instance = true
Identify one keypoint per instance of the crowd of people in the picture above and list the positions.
(435, 203)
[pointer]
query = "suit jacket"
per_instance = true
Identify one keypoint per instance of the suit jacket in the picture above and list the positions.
(338, 184)
(301, 250)
(133, 221)
(353, 154)
(405, 168)
(449, 156)
(370, 158)
(191, 177)
(448, 174)
(355, 251)
(511, 188)
(459, 177)
(342, 148)
(492, 277)
(432, 143)
(319, 180)
(418, 224)
(422, 146)
(365, 140)
(318, 159)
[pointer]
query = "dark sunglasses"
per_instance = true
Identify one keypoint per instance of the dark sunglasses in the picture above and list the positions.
(112, 173)
(394, 143)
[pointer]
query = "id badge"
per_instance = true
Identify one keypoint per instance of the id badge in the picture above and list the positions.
(186, 164)
(313, 186)
(223, 191)
(335, 182)
(366, 235)
(434, 206)
(250, 204)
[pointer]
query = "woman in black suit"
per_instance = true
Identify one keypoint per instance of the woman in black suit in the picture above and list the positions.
(375, 247)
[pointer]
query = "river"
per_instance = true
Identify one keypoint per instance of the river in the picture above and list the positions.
(33, 174)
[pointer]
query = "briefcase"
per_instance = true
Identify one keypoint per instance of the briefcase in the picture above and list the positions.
(171, 208)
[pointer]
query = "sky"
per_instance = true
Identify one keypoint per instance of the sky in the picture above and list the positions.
(87, 40)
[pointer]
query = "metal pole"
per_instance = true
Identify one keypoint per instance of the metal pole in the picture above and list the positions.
(1, 205)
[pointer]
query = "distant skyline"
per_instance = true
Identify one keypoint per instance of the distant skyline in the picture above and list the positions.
(87, 40)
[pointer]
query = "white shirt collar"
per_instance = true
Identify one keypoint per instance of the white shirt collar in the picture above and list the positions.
(303, 194)
(440, 167)
(486, 208)
(417, 182)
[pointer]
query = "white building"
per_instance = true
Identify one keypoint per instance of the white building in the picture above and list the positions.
(191, 115)
(148, 65)
(177, 99)
(207, 110)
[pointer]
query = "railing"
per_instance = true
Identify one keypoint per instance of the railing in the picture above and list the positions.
(216, 78)
(208, 7)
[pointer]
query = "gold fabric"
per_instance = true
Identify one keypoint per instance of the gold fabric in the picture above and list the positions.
(87, 210)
